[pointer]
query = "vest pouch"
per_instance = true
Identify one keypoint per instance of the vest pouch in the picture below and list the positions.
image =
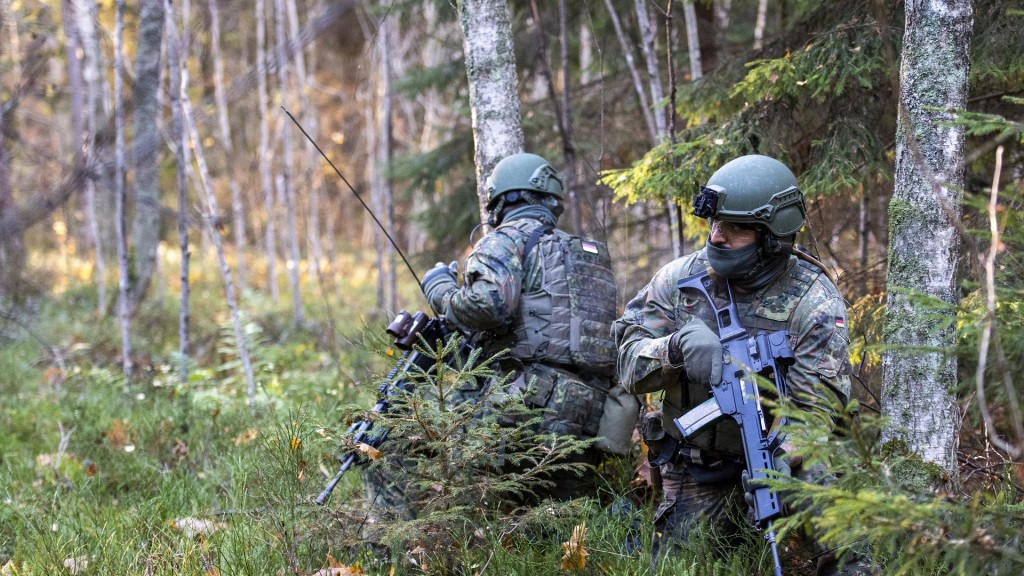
(621, 411)
(575, 408)
(540, 383)
(533, 339)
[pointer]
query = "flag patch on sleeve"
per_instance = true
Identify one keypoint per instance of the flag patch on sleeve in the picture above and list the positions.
(590, 246)
(840, 322)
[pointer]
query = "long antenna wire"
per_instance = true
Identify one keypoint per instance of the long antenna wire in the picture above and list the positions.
(358, 197)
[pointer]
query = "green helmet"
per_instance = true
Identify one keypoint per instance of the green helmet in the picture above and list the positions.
(753, 189)
(522, 172)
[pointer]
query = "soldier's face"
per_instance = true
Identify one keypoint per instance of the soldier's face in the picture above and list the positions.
(731, 234)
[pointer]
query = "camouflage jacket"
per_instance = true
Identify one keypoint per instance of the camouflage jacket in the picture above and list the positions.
(803, 300)
(493, 278)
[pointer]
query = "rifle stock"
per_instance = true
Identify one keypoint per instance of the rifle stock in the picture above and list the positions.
(767, 354)
(407, 330)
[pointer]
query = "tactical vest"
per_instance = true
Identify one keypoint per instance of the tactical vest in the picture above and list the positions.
(565, 316)
(765, 310)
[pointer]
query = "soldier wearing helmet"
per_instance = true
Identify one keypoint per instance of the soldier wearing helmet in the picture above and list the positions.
(546, 297)
(667, 339)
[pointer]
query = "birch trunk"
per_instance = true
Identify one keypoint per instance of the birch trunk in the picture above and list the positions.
(120, 216)
(924, 238)
(291, 220)
(146, 222)
(224, 126)
(312, 179)
(384, 151)
(647, 46)
(493, 86)
(627, 51)
(85, 25)
(211, 210)
(266, 181)
(178, 137)
(760, 23)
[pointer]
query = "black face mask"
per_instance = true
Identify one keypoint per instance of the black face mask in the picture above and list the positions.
(733, 263)
(749, 267)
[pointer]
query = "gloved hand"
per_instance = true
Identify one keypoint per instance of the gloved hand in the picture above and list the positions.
(437, 282)
(698, 350)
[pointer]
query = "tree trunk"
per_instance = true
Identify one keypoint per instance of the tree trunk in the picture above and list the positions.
(924, 239)
(146, 223)
(266, 181)
(384, 153)
(210, 212)
(759, 24)
(627, 51)
(312, 179)
(120, 215)
(174, 60)
(493, 86)
(224, 125)
(85, 25)
(287, 189)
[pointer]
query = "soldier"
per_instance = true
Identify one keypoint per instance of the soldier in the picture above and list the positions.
(667, 337)
(549, 299)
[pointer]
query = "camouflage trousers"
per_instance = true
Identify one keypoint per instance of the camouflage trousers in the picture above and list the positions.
(686, 502)
(574, 409)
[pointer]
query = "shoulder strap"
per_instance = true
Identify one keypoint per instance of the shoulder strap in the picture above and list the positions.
(535, 237)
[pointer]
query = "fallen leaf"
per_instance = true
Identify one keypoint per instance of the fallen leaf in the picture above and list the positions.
(117, 434)
(76, 565)
(370, 452)
(575, 557)
(192, 526)
(90, 468)
(246, 437)
(335, 568)
(180, 449)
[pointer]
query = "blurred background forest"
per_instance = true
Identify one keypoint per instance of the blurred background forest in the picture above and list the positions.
(166, 230)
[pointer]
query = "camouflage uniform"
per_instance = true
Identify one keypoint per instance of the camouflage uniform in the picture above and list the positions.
(801, 300)
(501, 286)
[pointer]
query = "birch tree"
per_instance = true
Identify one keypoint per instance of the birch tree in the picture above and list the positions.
(84, 15)
(120, 215)
(224, 130)
(264, 157)
(920, 371)
(493, 86)
(287, 188)
(146, 222)
(178, 138)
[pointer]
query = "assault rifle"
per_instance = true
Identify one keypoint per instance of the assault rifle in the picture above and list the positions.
(767, 354)
(407, 330)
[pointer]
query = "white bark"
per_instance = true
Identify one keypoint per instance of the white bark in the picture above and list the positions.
(627, 51)
(84, 13)
(120, 169)
(493, 86)
(179, 138)
(693, 41)
(224, 130)
(924, 238)
(759, 24)
(287, 162)
(266, 181)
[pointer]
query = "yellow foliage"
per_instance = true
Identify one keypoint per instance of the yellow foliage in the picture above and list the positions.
(575, 557)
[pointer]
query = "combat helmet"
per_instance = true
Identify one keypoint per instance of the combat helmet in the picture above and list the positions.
(522, 172)
(753, 189)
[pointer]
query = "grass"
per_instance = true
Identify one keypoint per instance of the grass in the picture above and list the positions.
(105, 475)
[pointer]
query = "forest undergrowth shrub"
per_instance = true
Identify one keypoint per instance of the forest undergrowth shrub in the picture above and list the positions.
(875, 506)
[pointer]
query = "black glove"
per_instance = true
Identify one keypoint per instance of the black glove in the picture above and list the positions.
(437, 282)
(698, 351)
